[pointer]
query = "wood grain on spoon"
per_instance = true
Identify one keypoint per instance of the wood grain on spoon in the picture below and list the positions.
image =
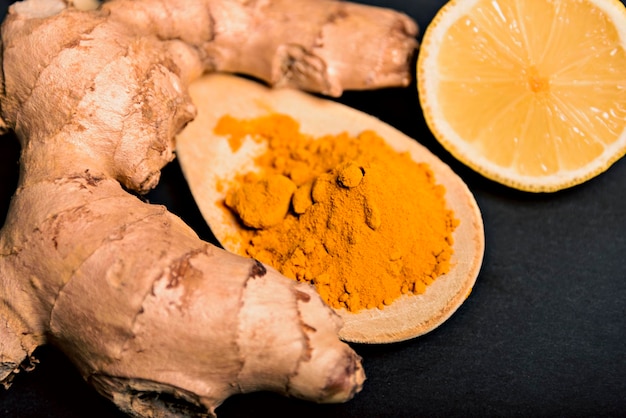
(208, 161)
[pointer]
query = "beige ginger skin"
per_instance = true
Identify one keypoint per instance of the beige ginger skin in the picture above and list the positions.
(124, 288)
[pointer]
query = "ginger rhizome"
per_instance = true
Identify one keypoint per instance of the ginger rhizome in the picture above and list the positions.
(362, 222)
(125, 289)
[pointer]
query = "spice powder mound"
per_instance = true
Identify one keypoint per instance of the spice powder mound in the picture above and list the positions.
(359, 220)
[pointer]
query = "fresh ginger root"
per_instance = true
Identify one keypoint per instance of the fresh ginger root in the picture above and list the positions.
(125, 289)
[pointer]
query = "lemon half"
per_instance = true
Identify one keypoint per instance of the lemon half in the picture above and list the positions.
(529, 93)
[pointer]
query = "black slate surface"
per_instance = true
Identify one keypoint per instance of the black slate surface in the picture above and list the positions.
(543, 333)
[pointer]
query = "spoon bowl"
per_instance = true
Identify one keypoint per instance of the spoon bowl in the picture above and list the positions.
(208, 163)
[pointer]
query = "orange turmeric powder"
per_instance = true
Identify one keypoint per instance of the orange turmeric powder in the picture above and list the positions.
(365, 223)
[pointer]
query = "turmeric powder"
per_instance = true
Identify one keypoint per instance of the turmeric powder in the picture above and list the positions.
(366, 223)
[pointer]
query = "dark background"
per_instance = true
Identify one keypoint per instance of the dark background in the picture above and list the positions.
(543, 333)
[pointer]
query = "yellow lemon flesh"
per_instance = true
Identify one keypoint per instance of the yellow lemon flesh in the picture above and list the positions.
(531, 94)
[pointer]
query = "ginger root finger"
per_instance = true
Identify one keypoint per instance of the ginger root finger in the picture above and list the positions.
(324, 46)
(179, 314)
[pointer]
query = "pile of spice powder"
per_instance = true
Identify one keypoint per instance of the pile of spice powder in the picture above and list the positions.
(359, 220)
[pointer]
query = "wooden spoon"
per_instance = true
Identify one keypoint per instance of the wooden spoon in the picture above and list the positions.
(207, 160)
